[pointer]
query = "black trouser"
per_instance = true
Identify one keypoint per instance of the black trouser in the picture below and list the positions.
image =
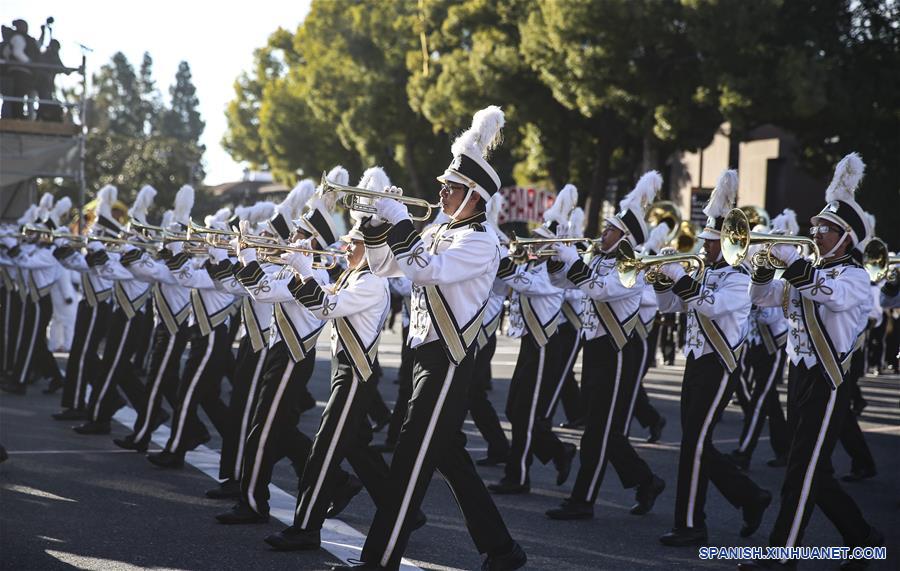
(35, 318)
(18, 83)
(10, 305)
(815, 415)
(404, 389)
(641, 408)
(483, 414)
(652, 342)
(378, 411)
(767, 372)
(570, 395)
(705, 393)
(743, 388)
(199, 386)
(43, 363)
(533, 386)
(84, 364)
(432, 439)
(668, 334)
(612, 374)
(162, 379)
(274, 433)
(15, 316)
(117, 369)
(851, 435)
(876, 344)
(245, 385)
(344, 432)
(144, 340)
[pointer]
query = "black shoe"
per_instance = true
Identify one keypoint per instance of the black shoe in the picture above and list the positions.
(4, 455)
(741, 460)
(227, 490)
(128, 443)
(571, 509)
(198, 441)
(874, 539)
(515, 558)
(656, 430)
(857, 475)
(166, 459)
(684, 536)
(577, 423)
(777, 462)
(14, 388)
(646, 495)
(70, 414)
(293, 539)
(54, 386)
(753, 512)
(241, 514)
(492, 460)
(93, 427)
(506, 487)
(384, 448)
(859, 405)
(564, 463)
(342, 496)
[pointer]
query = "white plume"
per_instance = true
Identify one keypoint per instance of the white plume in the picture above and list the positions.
(723, 196)
(60, 209)
(242, 212)
(167, 218)
(375, 179)
(484, 134)
(786, 223)
(45, 205)
(142, 203)
(559, 212)
(292, 206)
(184, 202)
(847, 175)
(492, 209)
(643, 194)
(106, 196)
(260, 212)
(576, 223)
(870, 218)
(339, 175)
(657, 239)
(29, 216)
(220, 217)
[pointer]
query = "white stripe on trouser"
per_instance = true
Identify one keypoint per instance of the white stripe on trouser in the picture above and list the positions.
(19, 334)
(759, 403)
(37, 319)
(562, 378)
(112, 370)
(744, 376)
(264, 435)
(335, 438)
(417, 466)
(637, 386)
(154, 389)
(6, 339)
(698, 450)
(248, 409)
(84, 350)
(523, 469)
(186, 402)
(609, 419)
(810, 471)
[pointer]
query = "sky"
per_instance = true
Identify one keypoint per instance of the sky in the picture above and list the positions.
(217, 39)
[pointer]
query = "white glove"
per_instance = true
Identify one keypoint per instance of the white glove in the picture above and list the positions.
(564, 252)
(9, 242)
(302, 263)
(674, 271)
(247, 255)
(786, 253)
(94, 246)
(175, 247)
(391, 210)
(217, 254)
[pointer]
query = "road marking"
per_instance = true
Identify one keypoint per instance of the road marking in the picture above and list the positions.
(28, 490)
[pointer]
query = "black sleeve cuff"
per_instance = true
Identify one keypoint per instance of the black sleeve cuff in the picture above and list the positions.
(506, 269)
(762, 275)
(687, 288)
(800, 274)
(662, 287)
(891, 289)
(63, 252)
(375, 235)
(15, 251)
(250, 275)
(579, 273)
(554, 266)
(308, 293)
(176, 261)
(220, 271)
(402, 237)
(97, 258)
(130, 257)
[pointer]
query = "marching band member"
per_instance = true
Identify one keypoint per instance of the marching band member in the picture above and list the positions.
(402, 287)
(823, 304)
(19, 284)
(357, 305)
(569, 393)
(210, 352)
(717, 311)
(535, 305)
(452, 267)
(768, 361)
(612, 340)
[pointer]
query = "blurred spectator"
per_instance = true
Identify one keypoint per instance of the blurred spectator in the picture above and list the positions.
(18, 47)
(45, 83)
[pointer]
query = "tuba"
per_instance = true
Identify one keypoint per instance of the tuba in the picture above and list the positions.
(665, 212)
(737, 239)
(360, 199)
(629, 265)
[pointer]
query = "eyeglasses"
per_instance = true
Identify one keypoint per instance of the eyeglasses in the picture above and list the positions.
(823, 229)
(450, 188)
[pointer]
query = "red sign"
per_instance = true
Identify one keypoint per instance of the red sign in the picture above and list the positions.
(525, 204)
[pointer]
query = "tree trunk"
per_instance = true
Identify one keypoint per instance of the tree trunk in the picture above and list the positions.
(411, 171)
(599, 179)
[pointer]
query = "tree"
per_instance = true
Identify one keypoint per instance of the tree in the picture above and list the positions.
(150, 97)
(182, 119)
(116, 104)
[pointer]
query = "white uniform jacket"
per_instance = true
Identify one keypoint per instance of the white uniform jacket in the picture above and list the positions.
(535, 303)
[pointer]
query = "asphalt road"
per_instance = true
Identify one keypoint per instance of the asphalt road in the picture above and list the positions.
(69, 501)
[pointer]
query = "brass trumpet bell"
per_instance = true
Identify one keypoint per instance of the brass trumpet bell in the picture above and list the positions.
(737, 239)
(878, 261)
(665, 212)
(362, 199)
(629, 265)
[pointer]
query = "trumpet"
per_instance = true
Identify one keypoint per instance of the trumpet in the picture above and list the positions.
(878, 261)
(521, 250)
(361, 199)
(212, 236)
(629, 265)
(145, 229)
(270, 251)
(737, 239)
